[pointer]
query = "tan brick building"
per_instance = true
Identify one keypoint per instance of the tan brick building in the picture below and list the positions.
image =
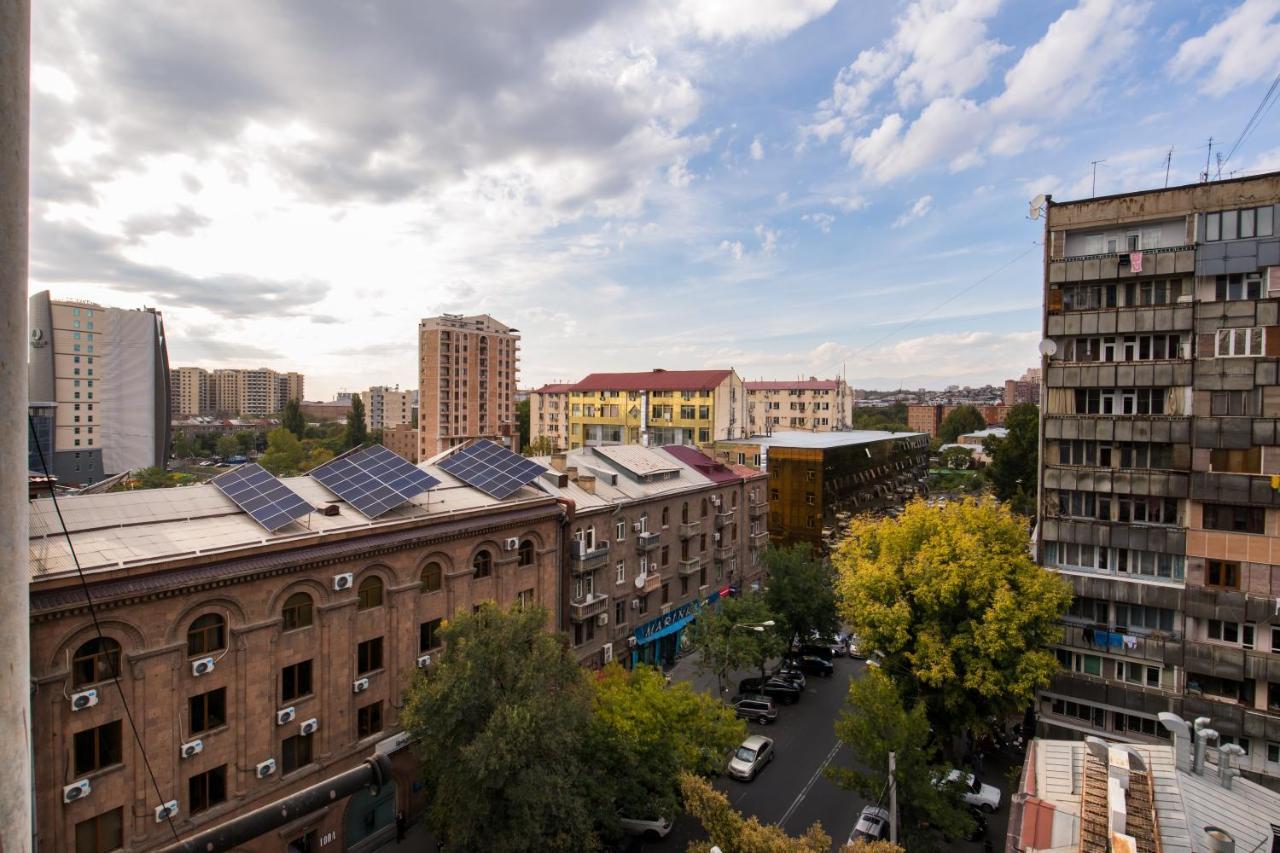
(549, 415)
(257, 392)
(928, 418)
(402, 440)
(467, 369)
(816, 405)
(387, 407)
(190, 397)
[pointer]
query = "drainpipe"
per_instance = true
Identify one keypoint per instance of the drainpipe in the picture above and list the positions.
(16, 821)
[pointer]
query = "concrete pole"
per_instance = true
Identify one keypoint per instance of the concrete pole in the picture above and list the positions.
(893, 799)
(15, 622)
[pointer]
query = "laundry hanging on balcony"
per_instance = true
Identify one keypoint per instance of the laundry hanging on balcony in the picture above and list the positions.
(1135, 262)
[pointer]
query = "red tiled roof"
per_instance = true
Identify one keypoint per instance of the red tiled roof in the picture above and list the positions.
(653, 380)
(553, 388)
(801, 384)
(712, 469)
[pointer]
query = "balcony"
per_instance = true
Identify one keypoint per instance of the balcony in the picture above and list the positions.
(723, 550)
(652, 583)
(1156, 648)
(584, 559)
(690, 567)
(1168, 260)
(759, 539)
(646, 542)
(1120, 694)
(759, 509)
(585, 609)
(723, 517)
(689, 529)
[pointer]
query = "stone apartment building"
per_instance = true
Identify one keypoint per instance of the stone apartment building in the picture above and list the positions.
(549, 415)
(467, 369)
(658, 407)
(816, 405)
(1023, 390)
(401, 440)
(230, 392)
(1160, 475)
(928, 417)
(385, 407)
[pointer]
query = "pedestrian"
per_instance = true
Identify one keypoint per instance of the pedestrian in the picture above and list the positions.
(402, 826)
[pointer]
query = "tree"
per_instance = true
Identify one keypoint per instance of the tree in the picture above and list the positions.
(500, 719)
(284, 452)
(1015, 459)
(292, 419)
(724, 641)
(228, 446)
(316, 457)
(864, 846)
(801, 591)
(522, 421)
(357, 433)
(540, 446)
(730, 831)
(956, 457)
(874, 723)
(646, 734)
(247, 440)
(152, 478)
(951, 597)
(962, 419)
(183, 446)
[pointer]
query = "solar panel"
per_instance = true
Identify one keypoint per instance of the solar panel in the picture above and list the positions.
(491, 468)
(373, 480)
(267, 500)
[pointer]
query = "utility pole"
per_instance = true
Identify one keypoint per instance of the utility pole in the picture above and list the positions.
(1093, 189)
(15, 621)
(1204, 176)
(1168, 161)
(893, 799)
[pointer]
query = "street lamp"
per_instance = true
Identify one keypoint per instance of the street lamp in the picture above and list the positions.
(757, 627)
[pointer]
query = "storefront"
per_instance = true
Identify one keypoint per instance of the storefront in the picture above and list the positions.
(658, 641)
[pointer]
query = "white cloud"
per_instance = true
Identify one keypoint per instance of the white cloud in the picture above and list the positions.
(768, 240)
(919, 210)
(727, 20)
(949, 51)
(733, 248)
(757, 149)
(850, 203)
(678, 175)
(949, 131)
(822, 221)
(1241, 48)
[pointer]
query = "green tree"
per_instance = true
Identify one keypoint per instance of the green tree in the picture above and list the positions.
(292, 419)
(874, 723)
(247, 440)
(316, 457)
(956, 457)
(963, 419)
(892, 418)
(951, 597)
(183, 446)
(1015, 459)
(540, 446)
(152, 478)
(284, 452)
(357, 433)
(730, 831)
(500, 720)
(522, 421)
(228, 446)
(801, 591)
(647, 733)
(726, 639)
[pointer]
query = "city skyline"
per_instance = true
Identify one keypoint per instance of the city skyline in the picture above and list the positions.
(790, 174)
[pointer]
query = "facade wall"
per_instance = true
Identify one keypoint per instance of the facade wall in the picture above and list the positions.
(804, 406)
(385, 408)
(402, 440)
(549, 417)
(156, 675)
(191, 392)
(661, 416)
(467, 369)
(253, 393)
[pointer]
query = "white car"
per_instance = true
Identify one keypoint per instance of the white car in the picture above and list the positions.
(872, 825)
(977, 794)
(750, 758)
(651, 829)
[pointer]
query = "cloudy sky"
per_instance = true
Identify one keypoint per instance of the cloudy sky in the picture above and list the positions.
(787, 187)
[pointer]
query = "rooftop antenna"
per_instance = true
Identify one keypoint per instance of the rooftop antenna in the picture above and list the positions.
(1204, 176)
(1219, 177)
(1093, 189)
(1168, 161)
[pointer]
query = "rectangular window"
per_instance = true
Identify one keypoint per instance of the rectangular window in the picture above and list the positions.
(206, 790)
(369, 656)
(368, 720)
(1237, 286)
(101, 834)
(1222, 574)
(620, 572)
(1236, 519)
(429, 635)
(1273, 752)
(1236, 461)
(295, 752)
(1230, 224)
(295, 681)
(1229, 403)
(1236, 343)
(97, 748)
(1213, 227)
(208, 710)
(620, 532)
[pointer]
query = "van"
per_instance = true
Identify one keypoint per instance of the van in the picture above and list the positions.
(760, 709)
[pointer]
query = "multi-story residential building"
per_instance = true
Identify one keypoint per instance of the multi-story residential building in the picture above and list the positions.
(191, 392)
(387, 407)
(255, 663)
(817, 481)
(402, 439)
(326, 410)
(656, 534)
(1024, 390)
(549, 415)
(659, 407)
(1159, 461)
(107, 371)
(467, 368)
(252, 393)
(40, 435)
(817, 405)
(928, 418)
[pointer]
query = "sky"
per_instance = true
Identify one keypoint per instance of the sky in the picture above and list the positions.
(785, 187)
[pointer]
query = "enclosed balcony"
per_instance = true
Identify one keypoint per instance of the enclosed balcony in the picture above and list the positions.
(583, 558)
(588, 607)
(646, 542)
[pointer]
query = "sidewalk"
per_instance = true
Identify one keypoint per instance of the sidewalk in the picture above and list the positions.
(686, 669)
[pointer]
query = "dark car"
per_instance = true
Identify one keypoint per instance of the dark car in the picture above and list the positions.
(759, 709)
(783, 690)
(791, 674)
(817, 649)
(813, 665)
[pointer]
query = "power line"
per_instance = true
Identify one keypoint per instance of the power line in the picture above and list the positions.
(1254, 120)
(97, 627)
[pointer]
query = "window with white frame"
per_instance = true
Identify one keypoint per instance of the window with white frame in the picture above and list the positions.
(621, 572)
(621, 532)
(1138, 673)
(644, 565)
(1234, 633)
(1238, 343)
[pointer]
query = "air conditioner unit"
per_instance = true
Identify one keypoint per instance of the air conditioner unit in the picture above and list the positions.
(716, 537)
(512, 544)
(166, 811)
(636, 527)
(342, 581)
(360, 685)
(602, 619)
(265, 769)
(635, 604)
(204, 666)
(286, 715)
(76, 791)
(309, 726)
(715, 500)
(85, 699)
(424, 661)
(631, 642)
(193, 748)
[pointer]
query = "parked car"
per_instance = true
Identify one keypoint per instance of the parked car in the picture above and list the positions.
(975, 793)
(817, 650)
(791, 674)
(759, 709)
(783, 690)
(651, 829)
(872, 825)
(835, 646)
(855, 647)
(237, 460)
(813, 665)
(755, 752)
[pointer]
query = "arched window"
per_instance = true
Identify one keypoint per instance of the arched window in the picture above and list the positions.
(96, 660)
(666, 516)
(207, 634)
(482, 564)
(704, 507)
(684, 513)
(432, 577)
(297, 611)
(644, 522)
(370, 593)
(526, 552)
(733, 499)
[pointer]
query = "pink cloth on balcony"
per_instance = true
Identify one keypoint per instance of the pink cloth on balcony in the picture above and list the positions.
(1135, 261)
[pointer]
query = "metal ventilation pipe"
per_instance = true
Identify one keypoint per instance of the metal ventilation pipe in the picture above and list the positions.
(1218, 840)
(1225, 771)
(1203, 736)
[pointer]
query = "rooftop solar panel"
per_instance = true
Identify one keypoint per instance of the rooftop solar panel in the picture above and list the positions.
(491, 468)
(373, 480)
(267, 500)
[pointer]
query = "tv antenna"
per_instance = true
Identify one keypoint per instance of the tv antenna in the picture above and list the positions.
(1093, 189)
(1204, 176)
(1168, 161)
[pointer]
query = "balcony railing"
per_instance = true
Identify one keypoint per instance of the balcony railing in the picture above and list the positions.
(759, 538)
(584, 559)
(723, 550)
(689, 529)
(1125, 254)
(723, 517)
(758, 510)
(1163, 648)
(583, 609)
(652, 582)
(646, 542)
(691, 566)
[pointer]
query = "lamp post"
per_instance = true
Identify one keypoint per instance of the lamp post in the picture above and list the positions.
(757, 627)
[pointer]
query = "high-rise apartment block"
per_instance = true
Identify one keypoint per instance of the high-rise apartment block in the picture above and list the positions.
(385, 407)
(1024, 390)
(928, 417)
(1160, 462)
(231, 391)
(549, 415)
(816, 405)
(656, 408)
(467, 370)
(107, 372)
(191, 392)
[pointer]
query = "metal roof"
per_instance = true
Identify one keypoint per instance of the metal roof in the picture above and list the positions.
(820, 439)
(654, 380)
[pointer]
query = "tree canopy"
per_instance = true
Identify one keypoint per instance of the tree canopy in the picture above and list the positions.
(540, 446)
(522, 421)
(153, 478)
(1015, 459)
(961, 420)
(730, 831)
(284, 455)
(801, 591)
(956, 457)
(292, 420)
(951, 597)
(723, 641)
(357, 433)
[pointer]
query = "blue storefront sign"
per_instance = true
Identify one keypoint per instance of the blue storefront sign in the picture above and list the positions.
(666, 628)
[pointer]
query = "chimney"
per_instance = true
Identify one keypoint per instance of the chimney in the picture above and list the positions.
(1225, 771)
(1181, 739)
(558, 461)
(588, 483)
(1204, 734)
(572, 471)
(1218, 840)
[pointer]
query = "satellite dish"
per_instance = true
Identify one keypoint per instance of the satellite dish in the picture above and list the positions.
(1036, 204)
(639, 581)
(1048, 347)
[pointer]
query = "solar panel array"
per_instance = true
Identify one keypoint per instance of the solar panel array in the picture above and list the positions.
(491, 468)
(373, 480)
(267, 500)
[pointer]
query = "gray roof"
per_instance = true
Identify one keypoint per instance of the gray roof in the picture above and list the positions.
(820, 440)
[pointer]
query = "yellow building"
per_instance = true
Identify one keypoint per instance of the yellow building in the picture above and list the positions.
(657, 407)
(549, 416)
(815, 405)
